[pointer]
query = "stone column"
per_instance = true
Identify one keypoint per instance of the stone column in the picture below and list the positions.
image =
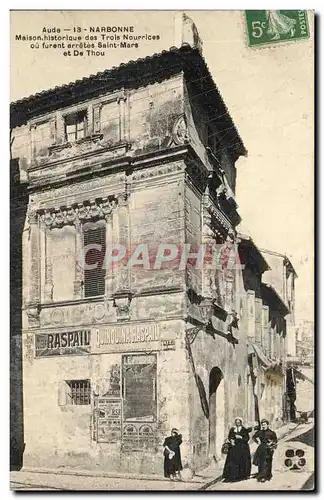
(48, 283)
(208, 273)
(123, 271)
(32, 142)
(251, 315)
(89, 121)
(79, 261)
(122, 118)
(33, 306)
(258, 321)
(265, 329)
(96, 118)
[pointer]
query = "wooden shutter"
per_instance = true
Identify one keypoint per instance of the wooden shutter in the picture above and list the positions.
(94, 279)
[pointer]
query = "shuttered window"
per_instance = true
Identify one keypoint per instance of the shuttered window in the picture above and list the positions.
(75, 126)
(94, 240)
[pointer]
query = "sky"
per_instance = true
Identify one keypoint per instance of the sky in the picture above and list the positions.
(268, 91)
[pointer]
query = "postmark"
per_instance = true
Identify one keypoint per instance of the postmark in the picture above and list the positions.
(267, 27)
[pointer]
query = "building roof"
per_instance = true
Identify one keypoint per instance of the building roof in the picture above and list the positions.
(253, 252)
(271, 296)
(134, 74)
(284, 257)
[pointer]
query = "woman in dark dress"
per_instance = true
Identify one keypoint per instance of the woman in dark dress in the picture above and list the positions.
(238, 461)
(172, 455)
(267, 441)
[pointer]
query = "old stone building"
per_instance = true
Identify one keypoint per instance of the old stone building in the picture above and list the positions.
(142, 158)
(267, 315)
(281, 276)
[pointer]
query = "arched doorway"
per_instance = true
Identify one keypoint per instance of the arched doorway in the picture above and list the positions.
(216, 411)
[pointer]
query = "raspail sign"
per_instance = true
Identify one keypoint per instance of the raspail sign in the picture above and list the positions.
(125, 337)
(57, 344)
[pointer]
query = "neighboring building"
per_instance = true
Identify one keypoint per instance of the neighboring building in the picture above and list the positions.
(112, 359)
(301, 370)
(305, 348)
(282, 276)
(266, 329)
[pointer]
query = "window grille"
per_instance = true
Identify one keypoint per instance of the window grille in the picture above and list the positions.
(79, 392)
(94, 240)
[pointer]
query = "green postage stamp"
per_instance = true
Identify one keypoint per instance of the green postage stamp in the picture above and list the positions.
(265, 27)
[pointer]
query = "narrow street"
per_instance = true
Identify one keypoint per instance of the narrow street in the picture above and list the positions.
(284, 477)
(302, 438)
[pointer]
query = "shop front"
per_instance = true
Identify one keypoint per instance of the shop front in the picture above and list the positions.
(105, 398)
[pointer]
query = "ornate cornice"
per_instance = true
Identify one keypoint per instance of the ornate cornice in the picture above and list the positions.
(159, 170)
(81, 212)
(215, 214)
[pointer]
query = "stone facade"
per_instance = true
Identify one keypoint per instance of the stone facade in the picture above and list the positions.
(145, 160)
(267, 335)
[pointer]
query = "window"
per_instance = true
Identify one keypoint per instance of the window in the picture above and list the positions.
(75, 126)
(94, 240)
(139, 388)
(78, 392)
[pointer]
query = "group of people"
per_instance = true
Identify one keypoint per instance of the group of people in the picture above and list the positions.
(238, 460)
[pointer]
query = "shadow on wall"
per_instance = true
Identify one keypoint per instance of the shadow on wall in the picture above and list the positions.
(18, 209)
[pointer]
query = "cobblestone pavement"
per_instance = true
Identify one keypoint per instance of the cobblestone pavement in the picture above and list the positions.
(37, 481)
(301, 438)
(284, 478)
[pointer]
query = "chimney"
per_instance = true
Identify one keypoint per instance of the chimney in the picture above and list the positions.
(185, 32)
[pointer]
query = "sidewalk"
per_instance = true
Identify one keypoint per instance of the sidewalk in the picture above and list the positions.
(82, 479)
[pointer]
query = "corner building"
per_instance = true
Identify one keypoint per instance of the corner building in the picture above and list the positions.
(112, 359)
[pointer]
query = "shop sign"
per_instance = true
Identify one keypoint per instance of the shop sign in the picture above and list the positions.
(168, 344)
(63, 343)
(126, 337)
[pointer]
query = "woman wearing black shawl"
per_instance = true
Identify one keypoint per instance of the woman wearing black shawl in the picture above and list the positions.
(172, 455)
(267, 441)
(238, 461)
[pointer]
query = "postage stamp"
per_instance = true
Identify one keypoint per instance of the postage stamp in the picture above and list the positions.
(265, 27)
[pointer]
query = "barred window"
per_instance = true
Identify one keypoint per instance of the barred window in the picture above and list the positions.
(78, 392)
(94, 240)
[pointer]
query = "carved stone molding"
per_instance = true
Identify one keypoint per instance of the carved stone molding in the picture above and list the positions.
(32, 312)
(122, 304)
(28, 341)
(32, 216)
(123, 199)
(180, 131)
(218, 217)
(78, 213)
(167, 168)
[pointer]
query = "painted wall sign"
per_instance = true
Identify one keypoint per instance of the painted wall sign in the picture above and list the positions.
(55, 344)
(168, 344)
(109, 413)
(123, 337)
